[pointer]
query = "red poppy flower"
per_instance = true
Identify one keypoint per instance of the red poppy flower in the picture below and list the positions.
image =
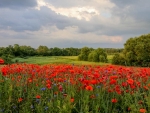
(112, 81)
(1, 61)
(93, 82)
(142, 110)
(145, 87)
(72, 100)
(38, 96)
(89, 88)
(48, 86)
(60, 87)
(114, 100)
(129, 109)
(130, 81)
(20, 99)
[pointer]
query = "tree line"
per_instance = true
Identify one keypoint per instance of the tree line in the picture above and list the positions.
(136, 52)
(23, 51)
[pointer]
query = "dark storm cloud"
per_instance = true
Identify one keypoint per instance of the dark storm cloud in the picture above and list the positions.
(15, 4)
(31, 20)
(17, 20)
(138, 9)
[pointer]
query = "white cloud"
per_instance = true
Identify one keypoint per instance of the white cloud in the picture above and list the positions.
(86, 12)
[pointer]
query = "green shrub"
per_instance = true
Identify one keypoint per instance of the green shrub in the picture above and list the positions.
(82, 57)
(102, 58)
(118, 59)
(93, 57)
(7, 58)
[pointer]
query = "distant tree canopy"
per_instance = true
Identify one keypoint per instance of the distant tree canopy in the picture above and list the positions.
(136, 52)
(93, 55)
(23, 51)
(85, 53)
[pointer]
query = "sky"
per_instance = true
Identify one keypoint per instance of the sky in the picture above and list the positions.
(72, 23)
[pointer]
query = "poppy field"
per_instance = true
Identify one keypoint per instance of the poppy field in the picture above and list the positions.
(66, 88)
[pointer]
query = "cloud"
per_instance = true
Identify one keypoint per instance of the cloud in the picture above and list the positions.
(73, 23)
(53, 36)
(76, 12)
(15, 4)
(31, 20)
(132, 16)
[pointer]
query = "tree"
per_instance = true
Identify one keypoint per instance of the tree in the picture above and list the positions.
(42, 50)
(84, 53)
(57, 51)
(119, 59)
(137, 51)
(102, 55)
(16, 50)
(98, 55)
(93, 56)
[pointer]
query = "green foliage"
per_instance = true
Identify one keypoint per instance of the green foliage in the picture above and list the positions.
(25, 51)
(136, 52)
(42, 50)
(84, 54)
(97, 55)
(118, 59)
(102, 55)
(102, 58)
(7, 58)
(82, 57)
(112, 51)
(93, 57)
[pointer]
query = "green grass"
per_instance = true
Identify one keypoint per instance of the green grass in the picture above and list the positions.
(58, 60)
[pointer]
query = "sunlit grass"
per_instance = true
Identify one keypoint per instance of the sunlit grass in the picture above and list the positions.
(58, 60)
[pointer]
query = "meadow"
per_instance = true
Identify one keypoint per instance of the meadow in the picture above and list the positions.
(65, 85)
(58, 60)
